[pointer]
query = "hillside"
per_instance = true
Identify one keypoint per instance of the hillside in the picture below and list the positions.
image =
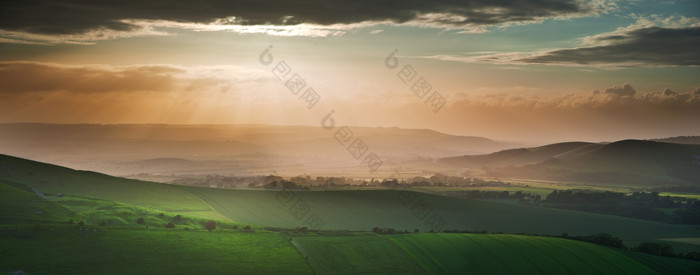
(624, 162)
(680, 139)
(36, 239)
(334, 210)
(466, 253)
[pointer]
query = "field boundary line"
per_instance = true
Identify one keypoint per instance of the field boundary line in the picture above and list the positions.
(403, 252)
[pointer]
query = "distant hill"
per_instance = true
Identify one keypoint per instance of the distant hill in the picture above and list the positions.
(624, 162)
(520, 156)
(680, 139)
(121, 149)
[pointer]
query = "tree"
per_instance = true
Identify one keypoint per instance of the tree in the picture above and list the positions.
(140, 220)
(211, 225)
(661, 249)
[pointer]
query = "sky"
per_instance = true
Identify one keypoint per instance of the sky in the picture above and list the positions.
(512, 70)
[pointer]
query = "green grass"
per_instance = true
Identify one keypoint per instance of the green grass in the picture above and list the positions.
(95, 211)
(60, 248)
(679, 194)
(338, 210)
(19, 205)
(355, 254)
(52, 179)
(508, 254)
(476, 254)
(363, 210)
(125, 247)
(666, 265)
(68, 250)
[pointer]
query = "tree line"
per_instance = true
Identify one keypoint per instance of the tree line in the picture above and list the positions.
(640, 205)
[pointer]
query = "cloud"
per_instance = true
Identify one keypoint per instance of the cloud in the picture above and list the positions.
(620, 99)
(23, 77)
(72, 17)
(595, 117)
(653, 46)
(144, 93)
(653, 41)
(624, 90)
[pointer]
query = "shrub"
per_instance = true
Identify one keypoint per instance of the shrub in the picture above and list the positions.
(103, 223)
(170, 225)
(177, 218)
(211, 225)
(661, 249)
(140, 221)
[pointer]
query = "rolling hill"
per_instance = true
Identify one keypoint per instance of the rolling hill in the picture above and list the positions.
(36, 239)
(334, 210)
(680, 139)
(622, 162)
(292, 150)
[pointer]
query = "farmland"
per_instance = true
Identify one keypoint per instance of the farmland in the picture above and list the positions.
(98, 223)
(336, 210)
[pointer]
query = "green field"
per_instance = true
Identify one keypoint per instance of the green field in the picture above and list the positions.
(336, 210)
(20, 205)
(356, 254)
(357, 210)
(37, 238)
(70, 250)
(509, 254)
(679, 194)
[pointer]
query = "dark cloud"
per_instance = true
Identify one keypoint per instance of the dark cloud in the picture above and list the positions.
(669, 92)
(625, 90)
(79, 16)
(653, 46)
(23, 77)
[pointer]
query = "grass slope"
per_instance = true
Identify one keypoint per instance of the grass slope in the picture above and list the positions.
(70, 250)
(508, 254)
(356, 254)
(476, 254)
(20, 205)
(128, 248)
(336, 210)
(52, 179)
(363, 210)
